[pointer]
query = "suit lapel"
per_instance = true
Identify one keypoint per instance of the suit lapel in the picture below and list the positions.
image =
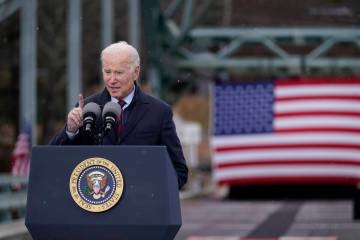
(138, 111)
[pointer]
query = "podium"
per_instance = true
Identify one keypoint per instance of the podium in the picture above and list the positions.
(148, 208)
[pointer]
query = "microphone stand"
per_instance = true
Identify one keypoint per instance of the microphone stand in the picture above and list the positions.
(99, 133)
(100, 138)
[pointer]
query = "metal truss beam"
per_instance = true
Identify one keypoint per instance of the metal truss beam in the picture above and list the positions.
(272, 32)
(8, 7)
(292, 66)
(230, 40)
(191, 47)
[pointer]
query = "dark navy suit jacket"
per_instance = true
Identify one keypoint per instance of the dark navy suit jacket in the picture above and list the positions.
(148, 122)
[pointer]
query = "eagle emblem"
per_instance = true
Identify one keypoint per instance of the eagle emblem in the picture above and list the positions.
(97, 185)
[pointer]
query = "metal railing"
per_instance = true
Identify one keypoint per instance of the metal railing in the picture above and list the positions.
(13, 192)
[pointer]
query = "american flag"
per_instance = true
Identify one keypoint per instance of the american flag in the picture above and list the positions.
(21, 155)
(287, 131)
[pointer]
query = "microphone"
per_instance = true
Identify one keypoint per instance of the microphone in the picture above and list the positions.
(91, 113)
(111, 113)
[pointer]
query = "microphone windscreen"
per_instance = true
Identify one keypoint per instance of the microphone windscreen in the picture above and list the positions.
(92, 108)
(111, 107)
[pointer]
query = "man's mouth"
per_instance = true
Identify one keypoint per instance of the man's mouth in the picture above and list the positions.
(114, 88)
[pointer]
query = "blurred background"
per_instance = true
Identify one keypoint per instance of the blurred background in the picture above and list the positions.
(266, 96)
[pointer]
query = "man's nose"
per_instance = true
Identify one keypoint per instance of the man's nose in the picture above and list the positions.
(112, 77)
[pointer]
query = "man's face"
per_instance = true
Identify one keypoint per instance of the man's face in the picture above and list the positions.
(118, 74)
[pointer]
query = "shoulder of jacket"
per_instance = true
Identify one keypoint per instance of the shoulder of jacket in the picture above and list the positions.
(156, 101)
(98, 98)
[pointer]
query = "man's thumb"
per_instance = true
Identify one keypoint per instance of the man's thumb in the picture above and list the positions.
(81, 101)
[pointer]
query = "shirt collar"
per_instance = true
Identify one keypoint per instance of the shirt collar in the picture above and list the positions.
(126, 99)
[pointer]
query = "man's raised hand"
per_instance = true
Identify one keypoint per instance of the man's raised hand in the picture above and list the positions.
(74, 119)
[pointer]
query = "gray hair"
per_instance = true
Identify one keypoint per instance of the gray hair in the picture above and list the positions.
(120, 46)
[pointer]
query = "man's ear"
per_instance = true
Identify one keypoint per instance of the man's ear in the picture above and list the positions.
(137, 71)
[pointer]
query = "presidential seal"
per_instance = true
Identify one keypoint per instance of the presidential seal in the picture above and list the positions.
(96, 184)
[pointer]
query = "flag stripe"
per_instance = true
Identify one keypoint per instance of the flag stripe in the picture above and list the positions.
(286, 170)
(321, 97)
(316, 113)
(284, 146)
(318, 129)
(318, 81)
(312, 90)
(289, 180)
(329, 121)
(294, 153)
(312, 105)
(21, 154)
(268, 139)
(340, 162)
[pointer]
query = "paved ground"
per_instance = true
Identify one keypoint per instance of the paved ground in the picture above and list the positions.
(210, 219)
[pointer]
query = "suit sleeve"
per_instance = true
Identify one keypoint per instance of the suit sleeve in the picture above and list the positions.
(170, 139)
(61, 138)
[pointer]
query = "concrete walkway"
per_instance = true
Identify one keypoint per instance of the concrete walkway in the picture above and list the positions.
(210, 219)
(15, 230)
(207, 219)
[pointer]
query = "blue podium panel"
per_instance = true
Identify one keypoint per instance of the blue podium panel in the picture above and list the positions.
(149, 206)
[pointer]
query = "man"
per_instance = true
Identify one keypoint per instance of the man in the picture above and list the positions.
(146, 120)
